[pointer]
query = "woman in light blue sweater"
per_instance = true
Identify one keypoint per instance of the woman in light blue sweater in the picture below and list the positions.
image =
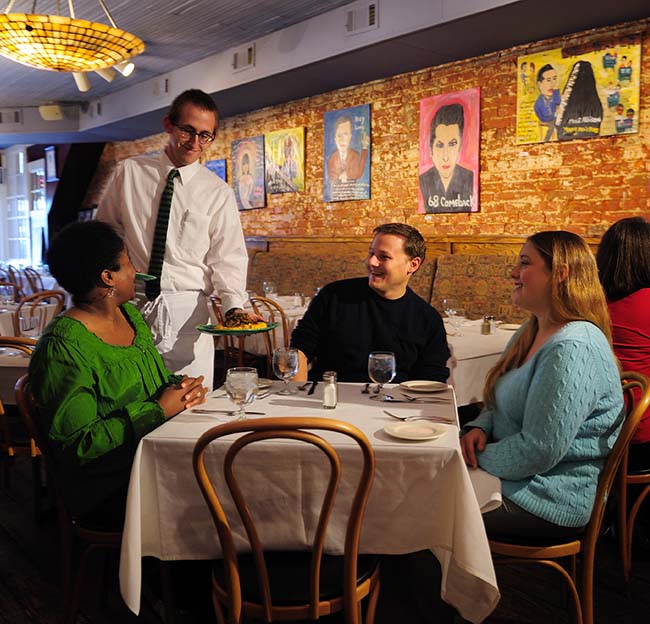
(553, 401)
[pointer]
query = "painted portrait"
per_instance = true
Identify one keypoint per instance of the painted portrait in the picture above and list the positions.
(449, 152)
(284, 152)
(347, 154)
(248, 172)
(218, 166)
(579, 97)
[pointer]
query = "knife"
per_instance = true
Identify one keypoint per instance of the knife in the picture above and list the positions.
(313, 387)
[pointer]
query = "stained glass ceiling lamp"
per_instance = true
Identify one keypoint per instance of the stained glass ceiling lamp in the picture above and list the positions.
(66, 44)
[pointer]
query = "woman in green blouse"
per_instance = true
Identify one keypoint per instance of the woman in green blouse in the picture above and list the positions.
(96, 373)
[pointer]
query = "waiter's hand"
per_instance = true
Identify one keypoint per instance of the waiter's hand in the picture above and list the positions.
(254, 318)
(187, 393)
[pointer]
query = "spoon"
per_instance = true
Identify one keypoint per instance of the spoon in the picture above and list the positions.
(304, 386)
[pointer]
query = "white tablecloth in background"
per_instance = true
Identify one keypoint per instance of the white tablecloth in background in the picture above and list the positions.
(472, 357)
(422, 495)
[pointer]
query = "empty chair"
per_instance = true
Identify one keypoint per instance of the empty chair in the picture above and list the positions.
(34, 279)
(283, 586)
(273, 312)
(29, 307)
(546, 552)
(15, 276)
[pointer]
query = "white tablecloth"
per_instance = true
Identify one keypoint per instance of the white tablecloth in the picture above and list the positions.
(472, 357)
(422, 495)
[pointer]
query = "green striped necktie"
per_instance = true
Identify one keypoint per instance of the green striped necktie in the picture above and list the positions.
(152, 288)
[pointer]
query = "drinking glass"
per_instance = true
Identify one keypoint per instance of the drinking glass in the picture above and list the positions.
(270, 288)
(6, 295)
(381, 368)
(241, 387)
(453, 312)
(30, 324)
(285, 366)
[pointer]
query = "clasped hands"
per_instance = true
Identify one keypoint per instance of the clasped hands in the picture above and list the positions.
(188, 392)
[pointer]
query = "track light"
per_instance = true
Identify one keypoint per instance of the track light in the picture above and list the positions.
(107, 73)
(125, 68)
(83, 84)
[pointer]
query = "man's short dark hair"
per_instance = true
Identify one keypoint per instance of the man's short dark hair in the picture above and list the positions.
(192, 96)
(543, 69)
(414, 245)
(80, 252)
(449, 115)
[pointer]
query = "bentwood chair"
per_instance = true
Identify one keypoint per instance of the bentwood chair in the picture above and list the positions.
(31, 306)
(34, 279)
(273, 312)
(284, 586)
(626, 518)
(547, 552)
(15, 441)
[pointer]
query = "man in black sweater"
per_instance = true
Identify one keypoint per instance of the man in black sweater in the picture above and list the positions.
(350, 318)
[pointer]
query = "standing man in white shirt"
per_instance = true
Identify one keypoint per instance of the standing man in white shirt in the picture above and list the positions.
(200, 250)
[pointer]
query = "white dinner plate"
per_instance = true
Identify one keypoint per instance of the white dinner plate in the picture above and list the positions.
(262, 383)
(415, 430)
(510, 326)
(423, 385)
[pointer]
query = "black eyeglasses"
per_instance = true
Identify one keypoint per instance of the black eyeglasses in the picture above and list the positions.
(188, 133)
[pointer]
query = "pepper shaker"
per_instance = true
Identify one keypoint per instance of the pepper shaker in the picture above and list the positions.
(485, 326)
(330, 390)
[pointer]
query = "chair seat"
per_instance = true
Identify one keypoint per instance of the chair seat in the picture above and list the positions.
(639, 472)
(289, 576)
(540, 542)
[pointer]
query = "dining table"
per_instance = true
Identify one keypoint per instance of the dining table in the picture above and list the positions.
(7, 311)
(423, 495)
(13, 365)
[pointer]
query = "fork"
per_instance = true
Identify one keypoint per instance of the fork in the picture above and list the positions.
(437, 419)
(304, 386)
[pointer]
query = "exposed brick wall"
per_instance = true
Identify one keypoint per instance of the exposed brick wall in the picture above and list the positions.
(581, 185)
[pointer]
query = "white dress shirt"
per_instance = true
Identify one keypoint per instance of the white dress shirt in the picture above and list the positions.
(205, 248)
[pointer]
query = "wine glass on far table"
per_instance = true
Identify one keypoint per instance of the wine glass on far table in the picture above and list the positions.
(285, 366)
(6, 295)
(381, 368)
(270, 289)
(455, 314)
(241, 387)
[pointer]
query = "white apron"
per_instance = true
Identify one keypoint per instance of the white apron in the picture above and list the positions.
(173, 317)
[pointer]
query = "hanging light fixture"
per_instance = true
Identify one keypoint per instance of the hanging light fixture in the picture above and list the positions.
(64, 44)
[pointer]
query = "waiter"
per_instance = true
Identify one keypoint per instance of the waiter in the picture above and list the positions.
(180, 223)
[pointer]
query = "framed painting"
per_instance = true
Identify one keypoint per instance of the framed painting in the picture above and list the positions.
(248, 172)
(284, 153)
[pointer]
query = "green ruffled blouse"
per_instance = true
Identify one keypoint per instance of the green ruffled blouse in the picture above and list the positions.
(97, 401)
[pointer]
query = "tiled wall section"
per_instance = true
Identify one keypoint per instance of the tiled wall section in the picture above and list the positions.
(581, 185)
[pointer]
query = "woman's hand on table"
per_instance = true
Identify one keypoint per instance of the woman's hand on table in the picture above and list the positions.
(471, 442)
(187, 393)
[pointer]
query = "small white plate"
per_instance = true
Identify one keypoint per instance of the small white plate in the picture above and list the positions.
(509, 326)
(415, 430)
(262, 383)
(423, 385)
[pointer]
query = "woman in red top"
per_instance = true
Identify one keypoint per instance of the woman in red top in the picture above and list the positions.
(624, 265)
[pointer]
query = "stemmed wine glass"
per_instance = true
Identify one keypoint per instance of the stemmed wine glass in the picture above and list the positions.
(269, 288)
(241, 387)
(381, 368)
(6, 295)
(455, 313)
(285, 366)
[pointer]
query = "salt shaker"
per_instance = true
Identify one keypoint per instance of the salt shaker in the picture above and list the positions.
(485, 326)
(493, 324)
(330, 390)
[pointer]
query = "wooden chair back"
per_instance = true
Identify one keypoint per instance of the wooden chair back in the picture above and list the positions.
(302, 430)
(34, 279)
(30, 306)
(546, 554)
(16, 277)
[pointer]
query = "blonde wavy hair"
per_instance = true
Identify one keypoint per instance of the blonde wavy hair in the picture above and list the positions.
(578, 297)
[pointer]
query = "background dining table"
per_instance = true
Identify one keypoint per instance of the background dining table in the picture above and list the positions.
(423, 496)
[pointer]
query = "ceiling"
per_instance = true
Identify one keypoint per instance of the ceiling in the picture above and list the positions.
(180, 32)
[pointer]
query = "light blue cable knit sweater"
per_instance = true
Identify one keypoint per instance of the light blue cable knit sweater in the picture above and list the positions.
(556, 418)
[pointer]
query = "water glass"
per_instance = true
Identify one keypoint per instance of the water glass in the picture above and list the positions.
(381, 368)
(30, 324)
(285, 366)
(6, 295)
(241, 387)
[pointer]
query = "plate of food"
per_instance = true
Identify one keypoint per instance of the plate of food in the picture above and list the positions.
(510, 326)
(415, 430)
(423, 385)
(238, 324)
